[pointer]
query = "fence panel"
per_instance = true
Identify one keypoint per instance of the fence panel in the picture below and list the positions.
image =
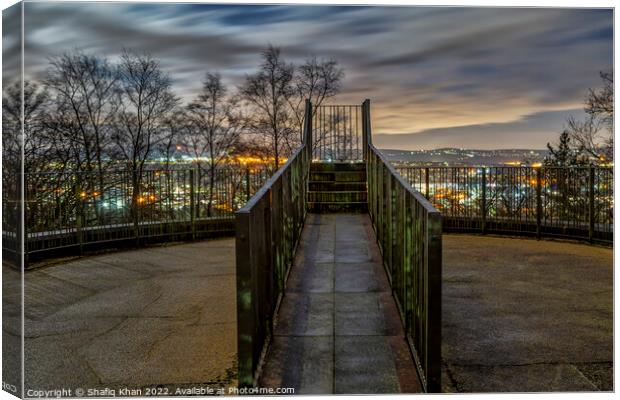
(337, 133)
(571, 202)
(71, 210)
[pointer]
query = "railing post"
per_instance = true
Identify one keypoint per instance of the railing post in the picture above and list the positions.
(389, 221)
(136, 217)
(434, 270)
(368, 123)
(426, 182)
(538, 202)
(366, 128)
(192, 204)
(483, 201)
(247, 184)
(308, 131)
(79, 222)
(591, 208)
(247, 311)
(306, 160)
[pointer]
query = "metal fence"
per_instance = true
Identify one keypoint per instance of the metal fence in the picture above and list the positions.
(572, 202)
(408, 230)
(77, 210)
(268, 228)
(337, 133)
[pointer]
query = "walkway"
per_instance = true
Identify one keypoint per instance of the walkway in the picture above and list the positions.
(338, 329)
(525, 315)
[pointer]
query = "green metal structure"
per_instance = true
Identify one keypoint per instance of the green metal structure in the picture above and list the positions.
(339, 170)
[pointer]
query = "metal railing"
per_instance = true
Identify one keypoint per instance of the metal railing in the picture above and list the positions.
(570, 202)
(337, 133)
(408, 230)
(268, 229)
(71, 211)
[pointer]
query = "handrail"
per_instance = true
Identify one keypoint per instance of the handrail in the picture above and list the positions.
(408, 230)
(270, 182)
(268, 229)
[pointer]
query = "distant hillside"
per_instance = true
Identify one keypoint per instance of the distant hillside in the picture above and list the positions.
(454, 156)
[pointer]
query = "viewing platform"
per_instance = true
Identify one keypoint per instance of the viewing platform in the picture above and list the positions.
(341, 279)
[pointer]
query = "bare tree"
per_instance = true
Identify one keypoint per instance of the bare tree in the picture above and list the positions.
(145, 100)
(83, 88)
(600, 102)
(36, 147)
(268, 92)
(31, 142)
(215, 127)
(247, 157)
(593, 138)
(174, 126)
(317, 80)
(11, 135)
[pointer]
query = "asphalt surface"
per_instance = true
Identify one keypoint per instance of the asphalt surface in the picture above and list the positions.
(522, 315)
(162, 316)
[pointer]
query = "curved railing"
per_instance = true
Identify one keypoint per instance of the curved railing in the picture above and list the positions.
(70, 212)
(566, 202)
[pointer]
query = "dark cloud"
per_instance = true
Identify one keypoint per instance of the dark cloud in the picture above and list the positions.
(468, 46)
(425, 68)
(11, 44)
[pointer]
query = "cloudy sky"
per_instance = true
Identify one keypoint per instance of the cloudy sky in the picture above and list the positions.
(443, 76)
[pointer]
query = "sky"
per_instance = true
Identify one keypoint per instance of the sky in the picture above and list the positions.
(436, 76)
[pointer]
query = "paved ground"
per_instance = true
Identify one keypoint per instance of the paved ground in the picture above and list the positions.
(338, 329)
(11, 329)
(158, 316)
(519, 315)
(526, 315)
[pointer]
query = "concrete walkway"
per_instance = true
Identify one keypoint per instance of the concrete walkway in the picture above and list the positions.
(338, 329)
